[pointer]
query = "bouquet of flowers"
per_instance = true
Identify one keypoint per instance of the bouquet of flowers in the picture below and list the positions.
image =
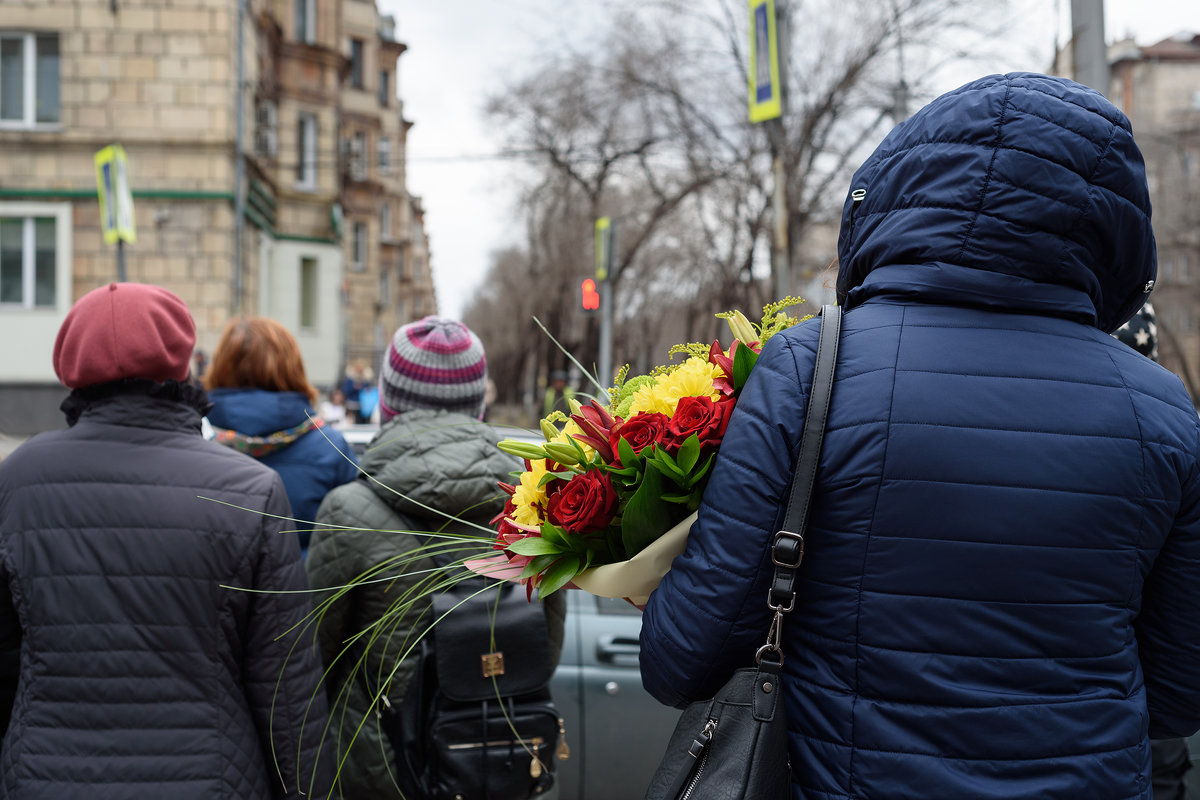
(605, 504)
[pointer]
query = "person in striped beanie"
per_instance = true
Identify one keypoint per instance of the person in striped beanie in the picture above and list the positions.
(435, 363)
(433, 467)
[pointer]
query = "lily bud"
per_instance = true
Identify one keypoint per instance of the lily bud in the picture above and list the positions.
(549, 431)
(742, 329)
(515, 447)
(562, 453)
(574, 404)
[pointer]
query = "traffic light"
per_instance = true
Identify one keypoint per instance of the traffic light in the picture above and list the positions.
(590, 297)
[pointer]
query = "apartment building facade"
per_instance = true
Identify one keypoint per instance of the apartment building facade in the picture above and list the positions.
(1158, 88)
(160, 77)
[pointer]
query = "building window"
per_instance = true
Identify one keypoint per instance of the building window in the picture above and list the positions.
(1185, 268)
(308, 292)
(385, 88)
(356, 155)
(385, 287)
(306, 20)
(306, 151)
(385, 155)
(385, 221)
(29, 80)
(358, 259)
(356, 63)
(28, 262)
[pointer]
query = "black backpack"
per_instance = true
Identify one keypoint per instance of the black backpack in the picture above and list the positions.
(477, 722)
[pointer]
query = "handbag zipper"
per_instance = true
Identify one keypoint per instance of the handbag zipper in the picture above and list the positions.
(535, 744)
(699, 750)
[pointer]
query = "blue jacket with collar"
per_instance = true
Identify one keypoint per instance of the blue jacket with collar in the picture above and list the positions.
(311, 465)
(1000, 590)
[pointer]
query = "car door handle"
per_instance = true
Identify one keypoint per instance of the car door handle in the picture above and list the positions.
(618, 650)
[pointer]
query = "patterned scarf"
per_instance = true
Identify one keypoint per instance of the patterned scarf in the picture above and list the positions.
(259, 446)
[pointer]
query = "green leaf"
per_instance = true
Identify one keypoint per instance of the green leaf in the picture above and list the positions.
(743, 361)
(534, 546)
(555, 534)
(689, 453)
(626, 454)
(646, 516)
(678, 498)
(668, 467)
(559, 575)
(549, 476)
(699, 475)
(538, 564)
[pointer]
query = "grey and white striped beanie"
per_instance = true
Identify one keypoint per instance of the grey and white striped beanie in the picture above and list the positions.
(434, 363)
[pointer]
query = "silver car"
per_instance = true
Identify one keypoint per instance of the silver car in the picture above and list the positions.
(616, 731)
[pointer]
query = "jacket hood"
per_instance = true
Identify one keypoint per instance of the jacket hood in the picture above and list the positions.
(438, 460)
(1019, 192)
(258, 412)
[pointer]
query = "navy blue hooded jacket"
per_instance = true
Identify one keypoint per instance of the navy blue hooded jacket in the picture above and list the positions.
(1000, 591)
(311, 465)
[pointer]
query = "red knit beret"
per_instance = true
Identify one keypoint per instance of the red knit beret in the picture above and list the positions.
(124, 330)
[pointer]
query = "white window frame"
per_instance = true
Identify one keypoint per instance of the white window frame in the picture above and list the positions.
(309, 295)
(63, 220)
(28, 119)
(385, 220)
(358, 156)
(310, 22)
(358, 247)
(384, 155)
(306, 151)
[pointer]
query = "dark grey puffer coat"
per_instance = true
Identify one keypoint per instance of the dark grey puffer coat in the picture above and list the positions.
(420, 461)
(129, 669)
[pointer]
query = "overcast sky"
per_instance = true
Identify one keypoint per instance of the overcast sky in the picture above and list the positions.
(458, 54)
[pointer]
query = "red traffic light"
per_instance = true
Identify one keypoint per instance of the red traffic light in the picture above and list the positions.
(590, 297)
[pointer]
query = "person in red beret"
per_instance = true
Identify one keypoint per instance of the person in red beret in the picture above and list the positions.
(133, 662)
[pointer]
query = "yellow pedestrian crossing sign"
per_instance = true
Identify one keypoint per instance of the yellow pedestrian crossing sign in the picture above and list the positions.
(766, 100)
(116, 198)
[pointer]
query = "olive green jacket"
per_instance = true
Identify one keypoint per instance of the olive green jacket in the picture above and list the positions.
(419, 464)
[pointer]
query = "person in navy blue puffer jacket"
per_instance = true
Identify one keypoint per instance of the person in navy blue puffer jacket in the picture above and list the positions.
(262, 406)
(1000, 596)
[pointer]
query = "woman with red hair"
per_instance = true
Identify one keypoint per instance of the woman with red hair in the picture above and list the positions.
(263, 406)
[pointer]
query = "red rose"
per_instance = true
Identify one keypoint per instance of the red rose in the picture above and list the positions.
(703, 417)
(641, 431)
(585, 504)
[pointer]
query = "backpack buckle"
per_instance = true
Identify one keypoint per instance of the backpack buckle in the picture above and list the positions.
(492, 664)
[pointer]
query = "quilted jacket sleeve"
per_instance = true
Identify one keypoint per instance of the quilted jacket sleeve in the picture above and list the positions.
(1168, 628)
(281, 666)
(709, 614)
(10, 651)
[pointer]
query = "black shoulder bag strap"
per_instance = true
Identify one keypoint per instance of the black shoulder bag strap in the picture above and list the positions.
(787, 551)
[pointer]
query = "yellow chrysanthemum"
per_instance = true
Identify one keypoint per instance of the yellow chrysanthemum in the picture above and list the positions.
(571, 430)
(693, 378)
(529, 499)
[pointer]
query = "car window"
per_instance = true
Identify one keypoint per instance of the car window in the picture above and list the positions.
(615, 605)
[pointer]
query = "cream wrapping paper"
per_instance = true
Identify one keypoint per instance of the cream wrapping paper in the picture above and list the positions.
(637, 577)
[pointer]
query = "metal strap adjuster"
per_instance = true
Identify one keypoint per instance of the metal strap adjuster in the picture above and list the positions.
(787, 551)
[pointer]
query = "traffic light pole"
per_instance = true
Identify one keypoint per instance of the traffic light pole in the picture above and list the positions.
(604, 368)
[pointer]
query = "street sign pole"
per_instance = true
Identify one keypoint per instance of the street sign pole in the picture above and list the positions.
(768, 70)
(121, 274)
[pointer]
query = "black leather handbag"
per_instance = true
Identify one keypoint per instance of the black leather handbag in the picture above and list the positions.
(734, 745)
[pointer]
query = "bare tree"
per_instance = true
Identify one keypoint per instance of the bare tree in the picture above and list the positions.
(649, 127)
